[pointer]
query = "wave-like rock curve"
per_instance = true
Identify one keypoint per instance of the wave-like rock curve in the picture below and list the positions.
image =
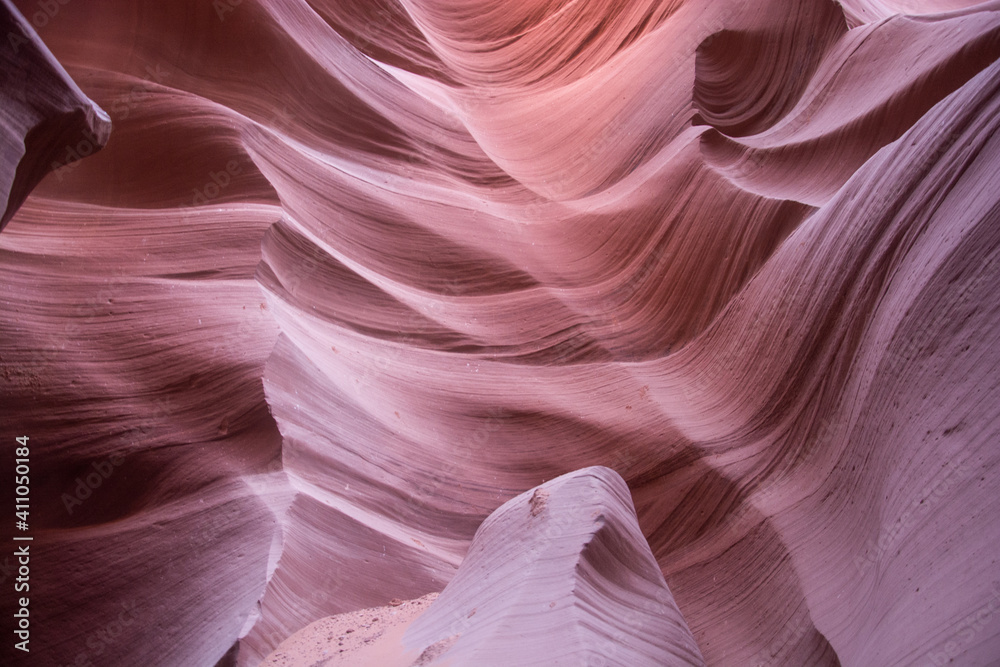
(559, 574)
(347, 277)
(47, 120)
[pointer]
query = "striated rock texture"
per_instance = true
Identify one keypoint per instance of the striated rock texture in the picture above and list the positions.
(45, 120)
(348, 276)
(560, 574)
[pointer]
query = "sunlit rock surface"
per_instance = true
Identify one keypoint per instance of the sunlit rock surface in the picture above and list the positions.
(347, 276)
(559, 575)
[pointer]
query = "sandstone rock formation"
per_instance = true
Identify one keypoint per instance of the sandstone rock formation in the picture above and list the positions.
(559, 575)
(47, 120)
(347, 276)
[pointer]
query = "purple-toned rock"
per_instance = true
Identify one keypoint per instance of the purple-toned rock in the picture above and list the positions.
(46, 121)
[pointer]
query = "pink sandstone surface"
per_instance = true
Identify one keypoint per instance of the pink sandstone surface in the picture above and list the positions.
(559, 575)
(348, 276)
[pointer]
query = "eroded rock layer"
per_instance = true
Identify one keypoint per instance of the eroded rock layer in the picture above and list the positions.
(46, 121)
(561, 574)
(348, 276)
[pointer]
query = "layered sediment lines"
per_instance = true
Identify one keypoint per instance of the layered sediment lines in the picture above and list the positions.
(47, 120)
(347, 277)
(559, 574)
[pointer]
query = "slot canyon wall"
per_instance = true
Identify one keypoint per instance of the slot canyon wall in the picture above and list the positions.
(339, 278)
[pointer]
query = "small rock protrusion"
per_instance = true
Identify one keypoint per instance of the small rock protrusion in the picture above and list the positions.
(538, 500)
